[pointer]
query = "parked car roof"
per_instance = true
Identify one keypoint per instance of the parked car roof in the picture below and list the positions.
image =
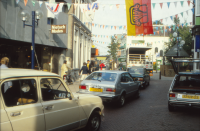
(190, 73)
(112, 71)
(16, 72)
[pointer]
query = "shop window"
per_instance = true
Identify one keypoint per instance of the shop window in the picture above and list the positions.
(19, 92)
(52, 89)
(49, 21)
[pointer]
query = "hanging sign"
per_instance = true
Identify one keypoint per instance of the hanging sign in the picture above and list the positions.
(58, 29)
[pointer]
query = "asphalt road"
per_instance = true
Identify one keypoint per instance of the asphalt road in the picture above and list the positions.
(150, 112)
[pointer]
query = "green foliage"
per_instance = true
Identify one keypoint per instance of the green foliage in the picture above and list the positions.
(113, 47)
(158, 23)
(184, 33)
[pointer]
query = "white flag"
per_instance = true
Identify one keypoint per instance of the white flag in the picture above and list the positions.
(54, 9)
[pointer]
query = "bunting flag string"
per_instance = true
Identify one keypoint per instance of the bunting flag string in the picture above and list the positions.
(33, 2)
(40, 3)
(25, 2)
(17, 1)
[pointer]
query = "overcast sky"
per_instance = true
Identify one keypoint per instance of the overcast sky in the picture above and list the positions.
(117, 17)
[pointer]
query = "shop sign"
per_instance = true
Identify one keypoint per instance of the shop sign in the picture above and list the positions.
(58, 29)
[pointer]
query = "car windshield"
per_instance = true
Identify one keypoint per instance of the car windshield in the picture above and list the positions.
(136, 70)
(102, 76)
(187, 82)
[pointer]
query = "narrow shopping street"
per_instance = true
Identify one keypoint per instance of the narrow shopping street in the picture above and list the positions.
(149, 112)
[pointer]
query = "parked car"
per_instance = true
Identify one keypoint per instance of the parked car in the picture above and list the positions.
(33, 100)
(111, 86)
(185, 87)
(140, 74)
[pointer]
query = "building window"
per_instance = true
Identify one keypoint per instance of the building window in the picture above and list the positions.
(49, 21)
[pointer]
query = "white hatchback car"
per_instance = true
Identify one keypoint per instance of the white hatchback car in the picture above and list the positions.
(33, 100)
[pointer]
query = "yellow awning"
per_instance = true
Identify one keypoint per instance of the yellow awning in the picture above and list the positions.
(101, 58)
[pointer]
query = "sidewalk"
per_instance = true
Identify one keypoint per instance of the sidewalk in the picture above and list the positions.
(156, 77)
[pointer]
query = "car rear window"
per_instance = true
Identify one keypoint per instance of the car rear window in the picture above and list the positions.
(136, 70)
(102, 76)
(187, 82)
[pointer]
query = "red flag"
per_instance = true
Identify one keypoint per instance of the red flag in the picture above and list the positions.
(161, 4)
(176, 16)
(188, 3)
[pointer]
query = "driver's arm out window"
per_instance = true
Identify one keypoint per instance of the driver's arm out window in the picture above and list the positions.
(52, 89)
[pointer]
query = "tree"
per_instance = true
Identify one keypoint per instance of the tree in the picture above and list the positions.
(184, 33)
(113, 47)
(158, 23)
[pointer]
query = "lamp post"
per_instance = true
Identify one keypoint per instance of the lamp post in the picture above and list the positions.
(182, 42)
(25, 16)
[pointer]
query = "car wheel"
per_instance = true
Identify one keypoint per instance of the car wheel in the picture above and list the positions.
(170, 108)
(121, 101)
(94, 122)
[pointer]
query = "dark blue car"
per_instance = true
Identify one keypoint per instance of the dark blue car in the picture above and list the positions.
(140, 74)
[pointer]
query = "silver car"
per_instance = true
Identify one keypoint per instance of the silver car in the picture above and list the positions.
(185, 88)
(111, 86)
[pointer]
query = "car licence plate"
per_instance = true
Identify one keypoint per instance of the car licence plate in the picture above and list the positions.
(96, 89)
(190, 97)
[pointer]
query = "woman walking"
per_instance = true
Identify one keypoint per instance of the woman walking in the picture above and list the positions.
(84, 71)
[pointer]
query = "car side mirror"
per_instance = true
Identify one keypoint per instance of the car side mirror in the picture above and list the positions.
(69, 95)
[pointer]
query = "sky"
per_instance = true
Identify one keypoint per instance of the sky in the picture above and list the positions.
(117, 17)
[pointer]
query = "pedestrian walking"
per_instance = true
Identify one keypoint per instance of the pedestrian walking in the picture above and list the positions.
(101, 65)
(115, 65)
(64, 69)
(120, 66)
(89, 66)
(96, 66)
(84, 71)
(4, 65)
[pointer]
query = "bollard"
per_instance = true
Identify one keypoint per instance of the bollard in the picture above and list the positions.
(160, 75)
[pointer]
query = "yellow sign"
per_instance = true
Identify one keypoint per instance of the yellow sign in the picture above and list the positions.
(101, 58)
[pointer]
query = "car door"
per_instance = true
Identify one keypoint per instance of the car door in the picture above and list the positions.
(132, 84)
(22, 104)
(5, 124)
(61, 112)
(125, 83)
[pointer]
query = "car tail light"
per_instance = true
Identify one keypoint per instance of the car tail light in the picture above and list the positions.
(140, 79)
(82, 87)
(172, 95)
(110, 90)
(151, 71)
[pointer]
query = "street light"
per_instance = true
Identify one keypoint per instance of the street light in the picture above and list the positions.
(24, 15)
(182, 42)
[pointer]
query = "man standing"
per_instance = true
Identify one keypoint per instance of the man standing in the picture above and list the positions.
(121, 66)
(89, 66)
(96, 66)
(101, 65)
(4, 65)
(64, 68)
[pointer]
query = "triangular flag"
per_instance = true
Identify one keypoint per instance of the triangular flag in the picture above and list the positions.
(158, 32)
(93, 24)
(40, 3)
(17, 1)
(124, 27)
(176, 16)
(103, 26)
(154, 33)
(165, 30)
(182, 3)
(192, 10)
(100, 26)
(175, 3)
(68, 5)
(115, 27)
(25, 2)
(169, 27)
(156, 22)
(161, 20)
(171, 18)
(33, 2)
(187, 12)
(156, 28)
(111, 7)
(161, 4)
(161, 27)
(182, 14)
(168, 4)
(111, 27)
(182, 25)
(188, 3)
(162, 31)
(117, 5)
(153, 4)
